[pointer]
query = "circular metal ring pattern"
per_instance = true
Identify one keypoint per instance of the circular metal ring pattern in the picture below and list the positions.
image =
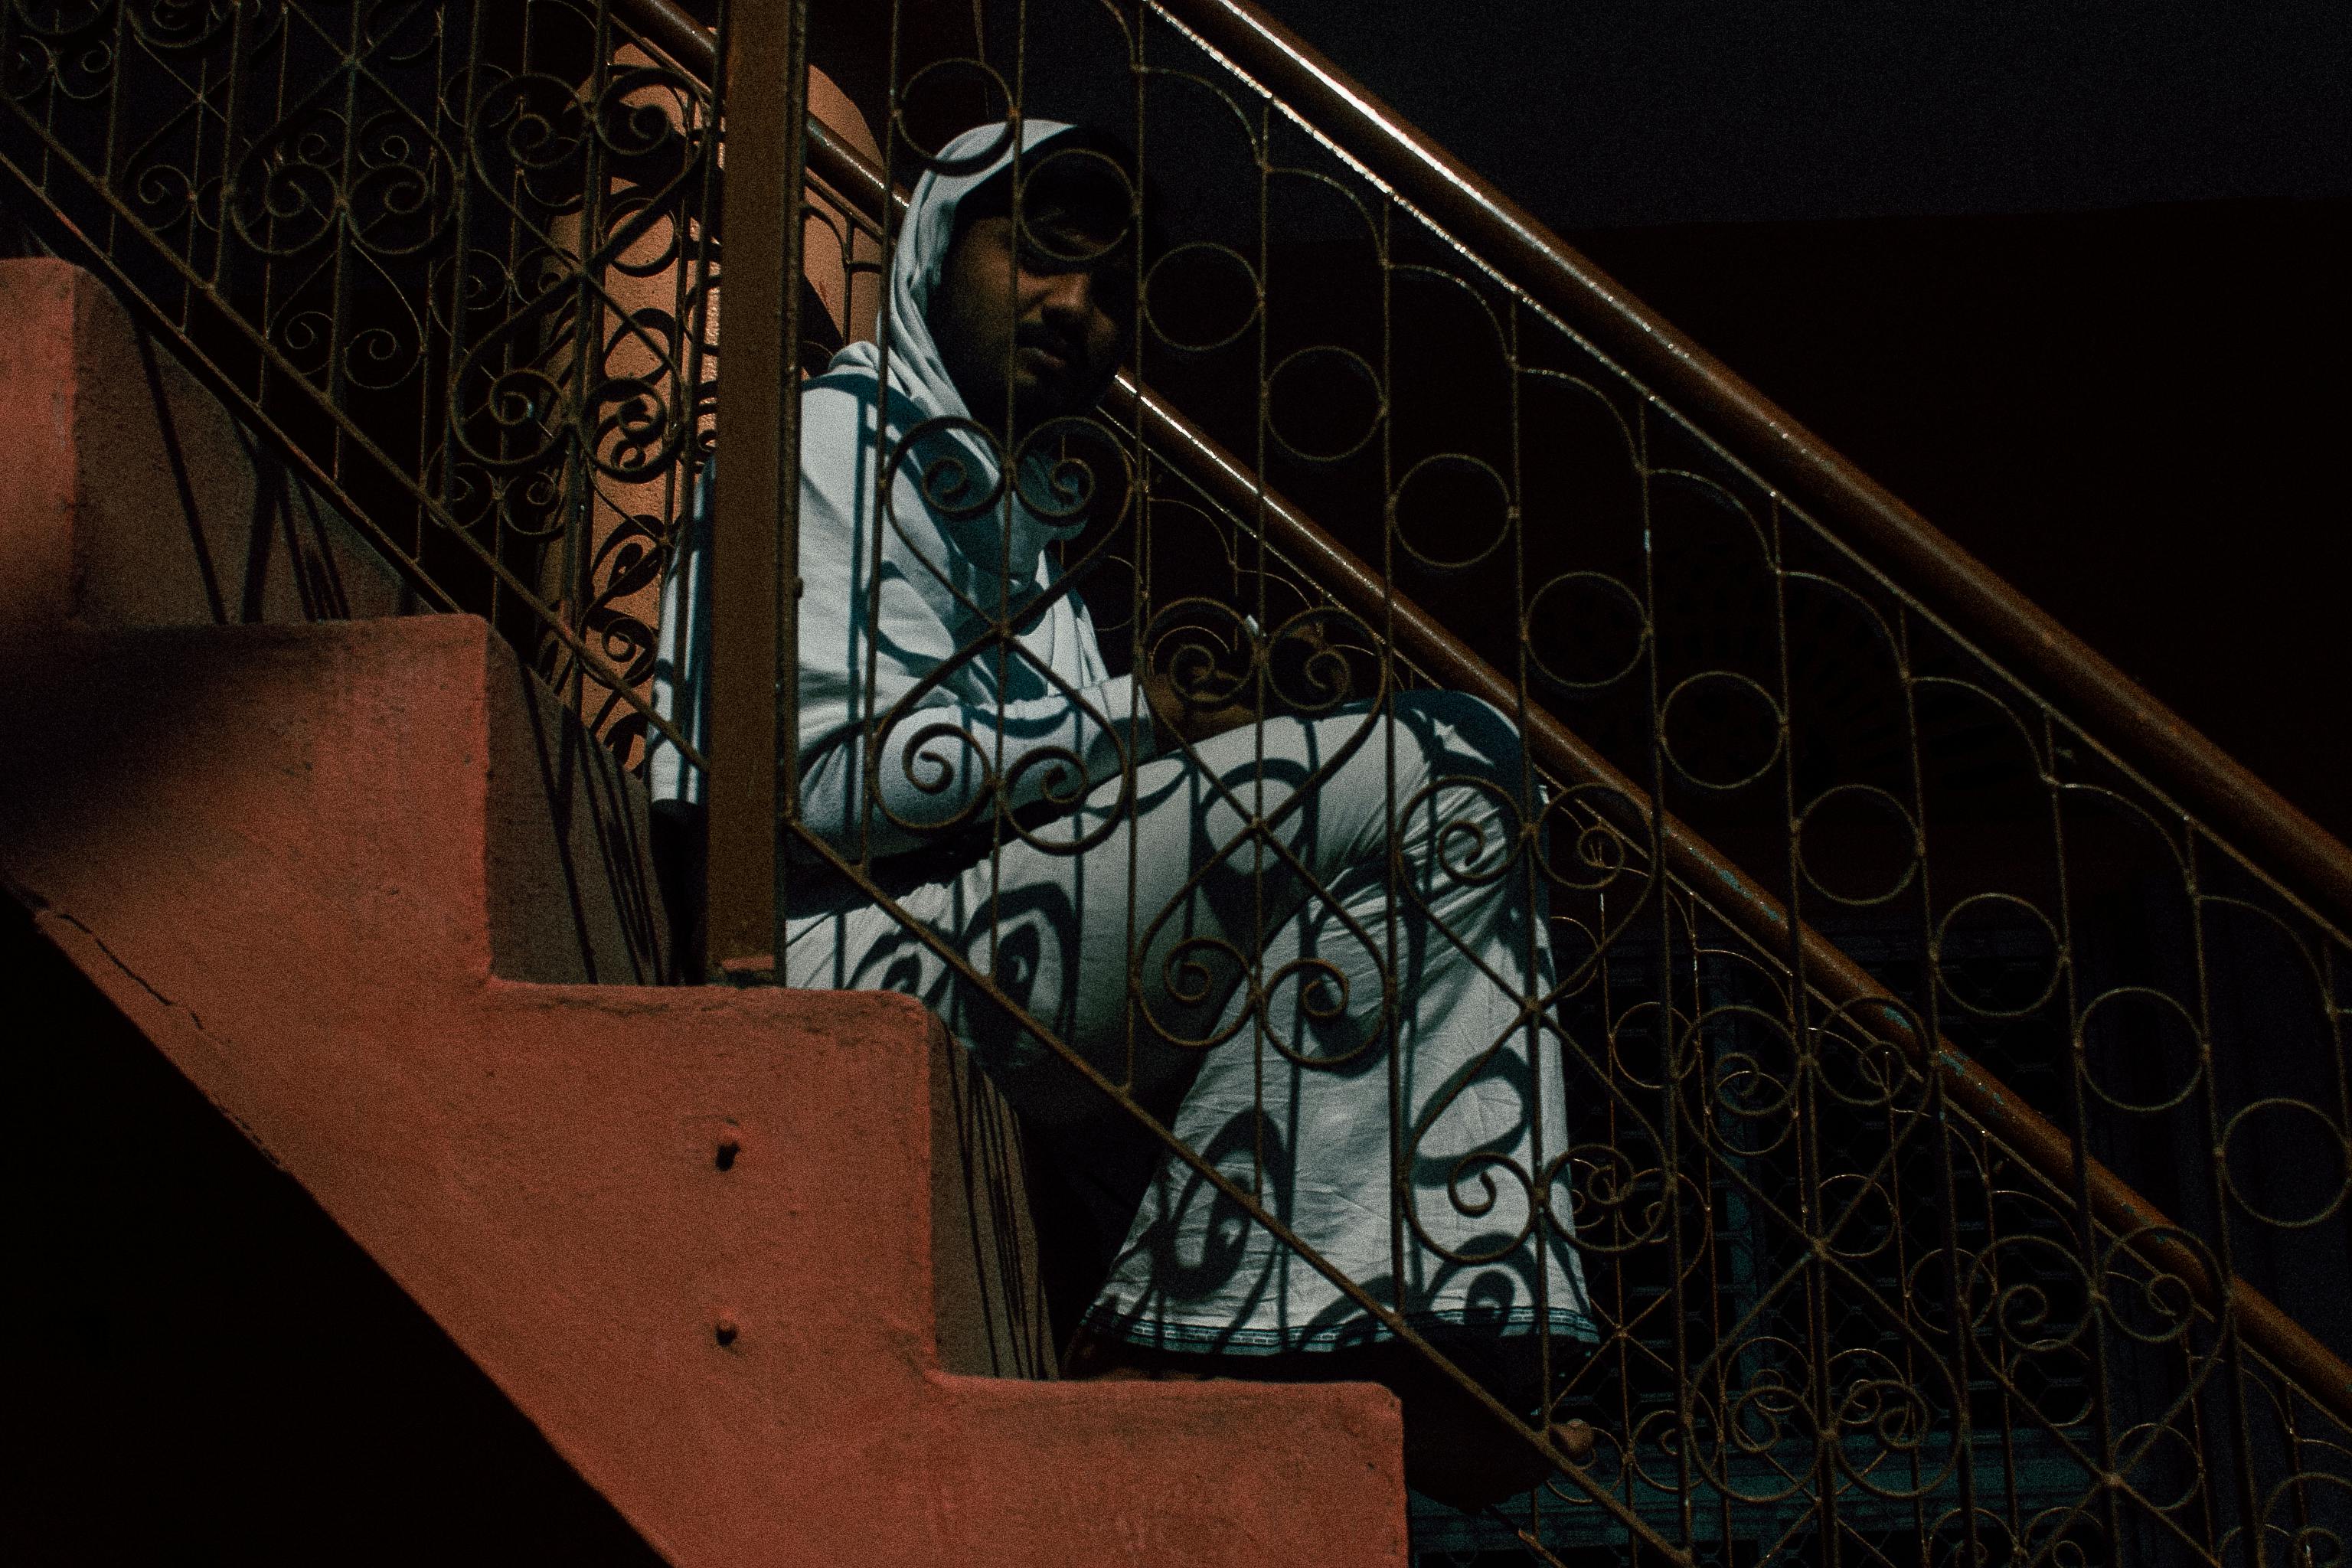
(938, 76)
(2140, 1029)
(1855, 1061)
(1450, 496)
(1190, 290)
(1852, 831)
(1731, 731)
(2164, 1456)
(1583, 850)
(1350, 391)
(1860, 1219)
(2279, 1131)
(1057, 480)
(1063, 160)
(2033, 1291)
(2152, 1301)
(1593, 632)
(2017, 935)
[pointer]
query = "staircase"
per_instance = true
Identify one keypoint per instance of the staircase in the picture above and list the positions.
(370, 890)
(1995, 1207)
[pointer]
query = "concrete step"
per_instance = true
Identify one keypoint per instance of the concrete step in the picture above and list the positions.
(753, 1261)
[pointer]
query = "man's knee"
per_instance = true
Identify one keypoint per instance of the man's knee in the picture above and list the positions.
(1445, 750)
(1461, 735)
(1466, 796)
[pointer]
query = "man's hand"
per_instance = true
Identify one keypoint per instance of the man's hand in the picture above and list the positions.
(1195, 720)
(1178, 720)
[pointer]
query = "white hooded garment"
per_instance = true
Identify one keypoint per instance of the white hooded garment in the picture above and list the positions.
(1309, 945)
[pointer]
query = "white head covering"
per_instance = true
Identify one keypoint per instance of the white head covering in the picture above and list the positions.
(919, 390)
(917, 374)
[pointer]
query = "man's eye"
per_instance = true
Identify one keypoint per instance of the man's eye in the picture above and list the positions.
(1051, 251)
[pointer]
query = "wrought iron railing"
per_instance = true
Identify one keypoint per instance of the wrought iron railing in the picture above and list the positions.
(1945, 946)
(453, 258)
(1940, 1047)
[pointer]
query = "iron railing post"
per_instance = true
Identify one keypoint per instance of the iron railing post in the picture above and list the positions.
(755, 532)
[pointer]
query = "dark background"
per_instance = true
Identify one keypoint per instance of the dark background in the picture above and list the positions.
(1620, 112)
(2068, 277)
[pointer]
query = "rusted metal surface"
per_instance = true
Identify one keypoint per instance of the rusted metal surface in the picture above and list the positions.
(673, 29)
(2168, 1255)
(1763, 919)
(1760, 916)
(2023, 1146)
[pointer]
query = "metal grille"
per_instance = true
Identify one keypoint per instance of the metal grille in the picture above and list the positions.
(1926, 1166)
(1953, 1115)
(455, 258)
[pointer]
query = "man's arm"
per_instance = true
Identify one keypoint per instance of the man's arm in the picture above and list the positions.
(937, 766)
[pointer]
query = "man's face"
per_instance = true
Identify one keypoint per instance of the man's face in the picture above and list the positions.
(1018, 302)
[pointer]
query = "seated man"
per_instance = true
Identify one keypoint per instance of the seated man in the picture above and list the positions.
(1308, 942)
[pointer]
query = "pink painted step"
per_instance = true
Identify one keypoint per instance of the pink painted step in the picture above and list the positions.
(310, 863)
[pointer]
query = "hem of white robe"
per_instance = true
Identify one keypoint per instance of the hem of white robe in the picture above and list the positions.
(1105, 1319)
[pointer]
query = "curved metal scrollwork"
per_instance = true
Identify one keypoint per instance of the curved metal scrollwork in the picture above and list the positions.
(465, 257)
(461, 256)
(1837, 1316)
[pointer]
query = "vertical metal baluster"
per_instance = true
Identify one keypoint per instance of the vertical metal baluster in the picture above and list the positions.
(451, 394)
(1936, 1119)
(753, 780)
(2229, 1344)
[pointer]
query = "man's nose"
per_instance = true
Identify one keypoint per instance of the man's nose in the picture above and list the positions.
(1069, 296)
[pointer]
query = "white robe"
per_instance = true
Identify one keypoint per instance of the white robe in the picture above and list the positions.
(1356, 1049)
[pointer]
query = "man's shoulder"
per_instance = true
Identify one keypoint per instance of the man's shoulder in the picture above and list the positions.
(838, 446)
(839, 393)
(840, 404)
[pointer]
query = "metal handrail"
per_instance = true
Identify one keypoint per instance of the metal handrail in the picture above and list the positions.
(1748, 907)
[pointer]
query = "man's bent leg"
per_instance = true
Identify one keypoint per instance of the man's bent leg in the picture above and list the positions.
(1314, 950)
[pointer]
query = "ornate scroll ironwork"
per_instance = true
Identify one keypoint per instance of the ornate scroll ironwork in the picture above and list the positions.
(1849, 1309)
(1846, 1311)
(456, 257)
